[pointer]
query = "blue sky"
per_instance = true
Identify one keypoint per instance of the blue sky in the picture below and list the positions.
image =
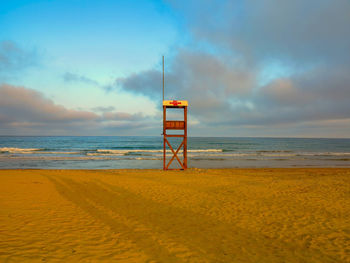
(101, 41)
(261, 70)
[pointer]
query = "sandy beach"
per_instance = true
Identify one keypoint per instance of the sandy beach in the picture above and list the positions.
(228, 215)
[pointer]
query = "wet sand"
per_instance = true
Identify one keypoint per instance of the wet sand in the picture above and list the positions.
(228, 215)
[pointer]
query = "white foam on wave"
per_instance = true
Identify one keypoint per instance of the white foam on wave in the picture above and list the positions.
(60, 152)
(139, 154)
(326, 153)
(18, 150)
(32, 151)
(214, 152)
(75, 158)
(124, 151)
(105, 154)
(147, 158)
(105, 151)
(205, 150)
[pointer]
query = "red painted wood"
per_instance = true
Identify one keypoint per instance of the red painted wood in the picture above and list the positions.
(175, 125)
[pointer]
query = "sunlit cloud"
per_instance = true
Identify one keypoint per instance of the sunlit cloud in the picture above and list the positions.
(26, 111)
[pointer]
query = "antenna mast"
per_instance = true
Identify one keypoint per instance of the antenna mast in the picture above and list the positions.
(163, 78)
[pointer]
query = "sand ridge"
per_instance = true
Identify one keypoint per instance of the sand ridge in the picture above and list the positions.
(228, 215)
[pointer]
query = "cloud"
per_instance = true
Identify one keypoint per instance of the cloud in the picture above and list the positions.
(104, 109)
(229, 45)
(122, 116)
(25, 111)
(201, 78)
(14, 59)
(259, 29)
(29, 105)
(321, 94)
(71, 77)
(141, 83)
(232, 43)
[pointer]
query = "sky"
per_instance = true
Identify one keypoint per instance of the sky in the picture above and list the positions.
(259, 68)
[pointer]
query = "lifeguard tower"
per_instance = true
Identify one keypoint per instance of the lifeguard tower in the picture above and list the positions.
(175, 125)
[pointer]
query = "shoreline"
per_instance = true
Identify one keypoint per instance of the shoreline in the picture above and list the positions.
(147, 152)
(188, 169)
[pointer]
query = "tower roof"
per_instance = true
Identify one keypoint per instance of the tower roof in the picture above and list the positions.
(175, 103)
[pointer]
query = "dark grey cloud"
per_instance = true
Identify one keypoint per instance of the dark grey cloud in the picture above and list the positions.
(203, 79)
(232, 43)
(302, 30)
(321, 94)
(141, 83)
(13, 59)
(25, 111)
(71, 77)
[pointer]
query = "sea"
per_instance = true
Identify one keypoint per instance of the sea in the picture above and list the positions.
(146, 152)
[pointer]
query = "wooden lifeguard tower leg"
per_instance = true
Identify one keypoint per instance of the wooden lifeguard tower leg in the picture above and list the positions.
(185, 139)
(164, 137)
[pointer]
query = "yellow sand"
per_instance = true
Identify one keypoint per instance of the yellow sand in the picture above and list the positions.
(231, 215)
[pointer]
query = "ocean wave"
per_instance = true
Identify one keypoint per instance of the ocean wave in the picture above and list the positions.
(212, 157)
(18, 150)
(326, 153)
(157, 153)
(205, 150)
(105, 154)
(287, 154)
(147, 158)
(33, 151)
(61, 152)
(75, 158)
(276, 154)
(125, 151)
(274, 151)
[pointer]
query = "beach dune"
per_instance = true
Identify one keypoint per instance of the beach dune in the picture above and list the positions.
(228, 215)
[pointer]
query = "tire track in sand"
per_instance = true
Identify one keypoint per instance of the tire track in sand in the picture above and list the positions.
(170, 234)
(157, 246)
